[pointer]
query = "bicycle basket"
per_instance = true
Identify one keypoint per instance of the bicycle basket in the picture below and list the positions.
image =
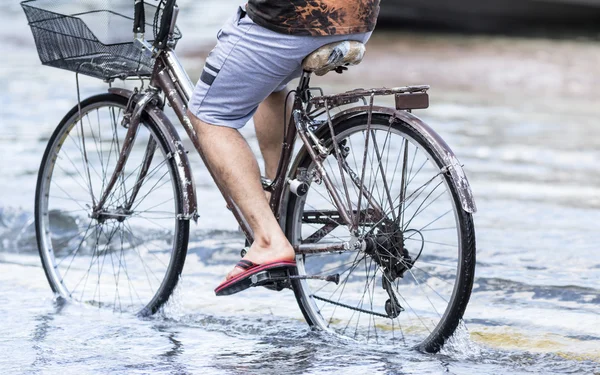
(92, 37)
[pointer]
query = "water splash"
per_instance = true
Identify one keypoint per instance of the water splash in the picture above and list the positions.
(17, 231)
(460, 346)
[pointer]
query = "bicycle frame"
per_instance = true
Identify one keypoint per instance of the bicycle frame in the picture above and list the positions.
(331, 196)
(170, 78)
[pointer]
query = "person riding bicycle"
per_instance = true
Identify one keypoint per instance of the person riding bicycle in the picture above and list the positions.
(258, 52)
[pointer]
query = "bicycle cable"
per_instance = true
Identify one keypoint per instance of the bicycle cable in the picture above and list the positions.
(157, 16)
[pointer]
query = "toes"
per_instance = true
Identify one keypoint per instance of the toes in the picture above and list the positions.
(233, 273)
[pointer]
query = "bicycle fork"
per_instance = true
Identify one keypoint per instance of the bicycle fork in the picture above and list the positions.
(131, 120)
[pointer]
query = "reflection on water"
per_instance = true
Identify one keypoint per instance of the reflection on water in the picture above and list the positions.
(520, 114)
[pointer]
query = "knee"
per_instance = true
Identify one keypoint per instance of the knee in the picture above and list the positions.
(206, 130)
(278, 96)
(200, 127)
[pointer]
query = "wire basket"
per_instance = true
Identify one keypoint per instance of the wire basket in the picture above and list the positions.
(91, 37)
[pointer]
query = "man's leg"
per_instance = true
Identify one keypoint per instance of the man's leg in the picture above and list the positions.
(248, 63)
(233, 165)
(269, 121)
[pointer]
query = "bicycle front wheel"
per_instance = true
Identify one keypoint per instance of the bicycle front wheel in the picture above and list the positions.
(129, 256)
(409, 280)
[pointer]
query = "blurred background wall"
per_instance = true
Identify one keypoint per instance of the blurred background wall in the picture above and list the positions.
(493, 15)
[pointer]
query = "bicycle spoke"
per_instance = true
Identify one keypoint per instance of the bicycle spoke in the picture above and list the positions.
(114, 257)
(142, 242)
(406, 185)
(74, 253)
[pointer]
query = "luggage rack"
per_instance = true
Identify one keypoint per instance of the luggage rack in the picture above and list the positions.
(407, 97)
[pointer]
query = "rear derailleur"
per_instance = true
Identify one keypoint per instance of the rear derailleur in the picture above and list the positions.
(387, 250)
(392, 306)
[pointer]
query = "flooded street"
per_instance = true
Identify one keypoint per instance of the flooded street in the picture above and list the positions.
(522, 115)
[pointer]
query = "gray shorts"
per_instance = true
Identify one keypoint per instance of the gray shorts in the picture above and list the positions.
(249, 63)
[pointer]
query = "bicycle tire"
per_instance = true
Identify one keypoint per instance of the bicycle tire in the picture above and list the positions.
(312, 306)
(169, 271)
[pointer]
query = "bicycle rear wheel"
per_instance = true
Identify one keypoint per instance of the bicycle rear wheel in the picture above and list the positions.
(124, 259)
(410, 282)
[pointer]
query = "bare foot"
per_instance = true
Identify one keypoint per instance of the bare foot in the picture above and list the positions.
(261, 252)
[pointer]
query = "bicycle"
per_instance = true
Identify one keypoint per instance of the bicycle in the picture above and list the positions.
(375, 203)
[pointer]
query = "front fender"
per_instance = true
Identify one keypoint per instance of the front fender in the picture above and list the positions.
(441, 148)
(176, 149)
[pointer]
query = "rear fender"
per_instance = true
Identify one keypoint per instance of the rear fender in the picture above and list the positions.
(443, 151)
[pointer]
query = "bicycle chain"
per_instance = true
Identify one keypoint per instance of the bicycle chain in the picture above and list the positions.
(351, 307)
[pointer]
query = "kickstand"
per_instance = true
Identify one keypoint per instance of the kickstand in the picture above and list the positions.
(280, 279)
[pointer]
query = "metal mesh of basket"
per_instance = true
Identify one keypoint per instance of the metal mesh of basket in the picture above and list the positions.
(91, 37)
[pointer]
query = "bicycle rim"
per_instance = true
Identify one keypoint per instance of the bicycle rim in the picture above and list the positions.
(127, 260)
(422, 246)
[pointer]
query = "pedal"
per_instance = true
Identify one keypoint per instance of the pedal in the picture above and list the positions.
(276, 280)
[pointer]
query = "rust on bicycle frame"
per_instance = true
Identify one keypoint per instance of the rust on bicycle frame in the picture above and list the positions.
(176, 151)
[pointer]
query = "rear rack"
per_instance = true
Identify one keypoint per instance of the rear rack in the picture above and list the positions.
(407, 97)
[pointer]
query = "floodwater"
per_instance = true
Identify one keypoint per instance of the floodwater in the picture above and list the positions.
(521, 114)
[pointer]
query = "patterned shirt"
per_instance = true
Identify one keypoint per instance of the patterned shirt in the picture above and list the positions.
(315, 17)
